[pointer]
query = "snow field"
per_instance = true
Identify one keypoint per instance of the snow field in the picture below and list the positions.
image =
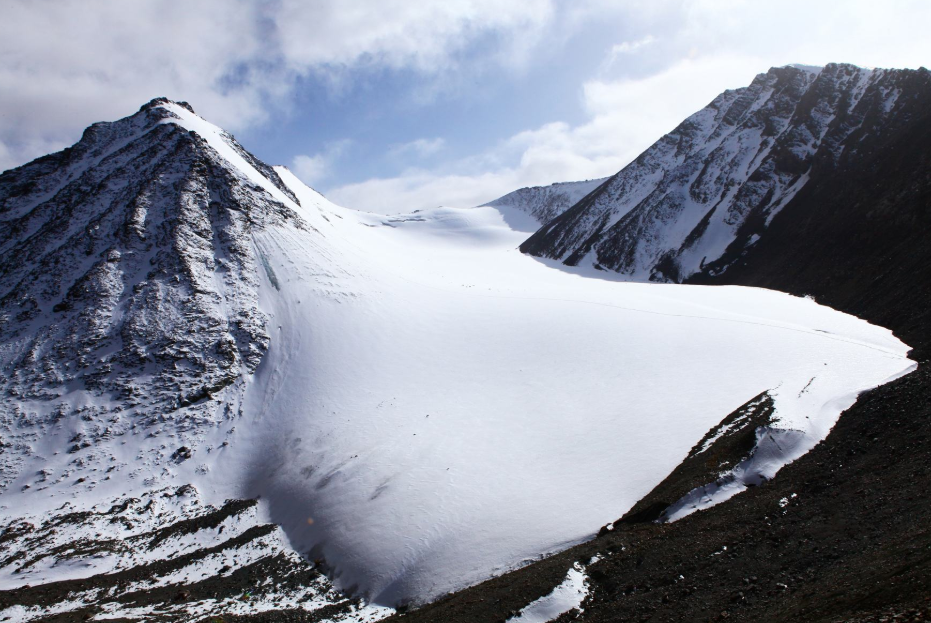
(436, 407)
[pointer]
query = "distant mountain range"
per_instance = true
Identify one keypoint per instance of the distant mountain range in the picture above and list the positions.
(526, 209)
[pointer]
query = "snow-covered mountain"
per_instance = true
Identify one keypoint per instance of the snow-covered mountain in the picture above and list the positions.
(526, 209)
(127, 271)
(415, 404)
(129, 328)
(707, 191)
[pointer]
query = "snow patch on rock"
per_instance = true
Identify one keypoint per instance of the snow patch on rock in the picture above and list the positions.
(569, 595)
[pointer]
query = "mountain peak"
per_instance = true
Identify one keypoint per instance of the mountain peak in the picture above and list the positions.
(814, 69)
(163, 102)
(706, 192)
(103, 245)
(526, 209)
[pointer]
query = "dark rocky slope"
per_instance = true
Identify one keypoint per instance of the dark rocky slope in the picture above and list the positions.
(138, 592)
(858, 239)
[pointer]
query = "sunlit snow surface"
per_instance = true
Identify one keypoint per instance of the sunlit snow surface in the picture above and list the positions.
(436, 408)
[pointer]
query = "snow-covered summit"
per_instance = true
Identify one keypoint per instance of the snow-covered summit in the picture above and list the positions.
(128, 286)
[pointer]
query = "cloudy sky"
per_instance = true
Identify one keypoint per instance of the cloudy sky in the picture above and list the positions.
(393, 105)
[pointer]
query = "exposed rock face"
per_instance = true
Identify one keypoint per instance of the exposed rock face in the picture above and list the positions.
(127, 273)
(856, 236)
(707, 191)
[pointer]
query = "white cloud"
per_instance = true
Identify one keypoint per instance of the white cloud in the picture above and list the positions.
(400, 33)
(813, 31)
(6, 159)
(310, 169)
(419, 148)
(417, 189)
(712, 45)
(545, 155)
(626, 47)
(68, 63)
(619, 127)
(314, 169)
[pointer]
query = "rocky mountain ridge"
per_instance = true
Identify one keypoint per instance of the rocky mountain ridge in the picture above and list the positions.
(129, 325)
(706, 192)
(544, 203)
